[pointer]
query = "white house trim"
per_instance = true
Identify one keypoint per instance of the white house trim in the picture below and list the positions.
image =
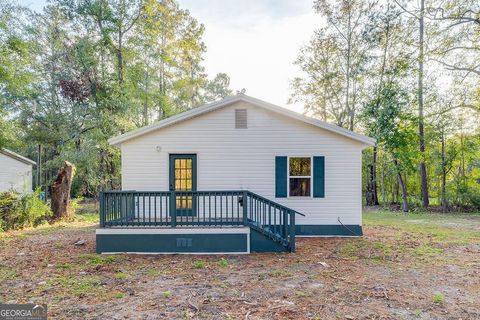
(116, 141)
(180, 231)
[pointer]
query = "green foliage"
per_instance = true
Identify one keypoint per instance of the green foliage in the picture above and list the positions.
(20, 211)
(392, 125)
(167, 294)
(223, 263)
(98, 260)
(438, 298)
(110, 67)
(199, 264)
(120, 276)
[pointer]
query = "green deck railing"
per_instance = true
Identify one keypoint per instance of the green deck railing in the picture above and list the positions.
(198, 209)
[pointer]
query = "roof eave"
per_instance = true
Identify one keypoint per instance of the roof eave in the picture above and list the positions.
(17, 157)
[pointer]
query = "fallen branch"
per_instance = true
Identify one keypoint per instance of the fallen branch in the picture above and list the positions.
(193, 306)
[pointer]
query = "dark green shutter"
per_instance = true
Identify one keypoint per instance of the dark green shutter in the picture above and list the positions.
(281, 177)
(319, 177)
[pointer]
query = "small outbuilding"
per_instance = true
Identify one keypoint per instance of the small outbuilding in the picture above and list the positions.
(233, 176)
(15, 172)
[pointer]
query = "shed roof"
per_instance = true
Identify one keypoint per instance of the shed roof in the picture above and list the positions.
(17, 157)
(118, 140)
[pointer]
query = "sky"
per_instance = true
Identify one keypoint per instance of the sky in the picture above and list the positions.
(254, 41)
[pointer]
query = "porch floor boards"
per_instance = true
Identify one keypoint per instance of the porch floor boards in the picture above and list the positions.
(181, 222)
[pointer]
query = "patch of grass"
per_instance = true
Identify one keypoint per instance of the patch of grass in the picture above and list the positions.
(427, 251)
(199, 264)
(90, 217)
(98, 260)
(300, 294)
(64, 266)
(7, 274)
(79, 287)
(442, 228)
(438, 298)
(119, 295)
(365, 249)
(223, 263)
(152, 272)
(110, 259)
(86, 287)
(279, 273)
(167, 294)
(121, 276)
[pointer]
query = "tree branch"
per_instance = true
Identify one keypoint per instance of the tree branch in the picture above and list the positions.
(457, 68)
(407, 11)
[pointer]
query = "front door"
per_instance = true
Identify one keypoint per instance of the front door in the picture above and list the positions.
(183, 179)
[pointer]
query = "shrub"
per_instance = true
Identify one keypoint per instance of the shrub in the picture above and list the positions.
(20, 211)
(474, 199)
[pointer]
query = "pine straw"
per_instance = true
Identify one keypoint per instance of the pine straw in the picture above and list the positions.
(387, 274)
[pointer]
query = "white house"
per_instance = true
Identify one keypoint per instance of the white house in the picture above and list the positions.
(15, 172)
(244, 144)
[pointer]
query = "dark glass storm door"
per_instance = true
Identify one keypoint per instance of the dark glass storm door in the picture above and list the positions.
(183, 180)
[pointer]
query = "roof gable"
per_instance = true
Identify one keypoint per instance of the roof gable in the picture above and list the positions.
(16, 156)
(118, 140)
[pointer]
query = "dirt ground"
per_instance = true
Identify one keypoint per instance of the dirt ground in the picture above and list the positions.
(405, 267)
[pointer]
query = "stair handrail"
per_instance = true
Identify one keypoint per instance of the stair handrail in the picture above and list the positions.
(275, 203)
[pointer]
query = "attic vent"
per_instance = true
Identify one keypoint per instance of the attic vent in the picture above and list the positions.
(240, 118)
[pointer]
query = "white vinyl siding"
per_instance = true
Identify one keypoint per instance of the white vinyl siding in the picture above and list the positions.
(231, 159)
(15, 175)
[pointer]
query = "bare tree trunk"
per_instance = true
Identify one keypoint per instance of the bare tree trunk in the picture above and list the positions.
(120, 57)
(374, 177)
(384, 194)
(61, 191)
(161, 79)
(423, 169)
(444, 174)
(403, 187)
(347, 73)
(396, 189)
(462, 153)
(145, 102)
(39, 167)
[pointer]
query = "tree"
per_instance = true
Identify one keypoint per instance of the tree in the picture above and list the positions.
(335, 62)
(217, 88)
(460, 22)
(83, 71)
(385, 34)
(391, 125)
(16, 80)
(419, 16)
